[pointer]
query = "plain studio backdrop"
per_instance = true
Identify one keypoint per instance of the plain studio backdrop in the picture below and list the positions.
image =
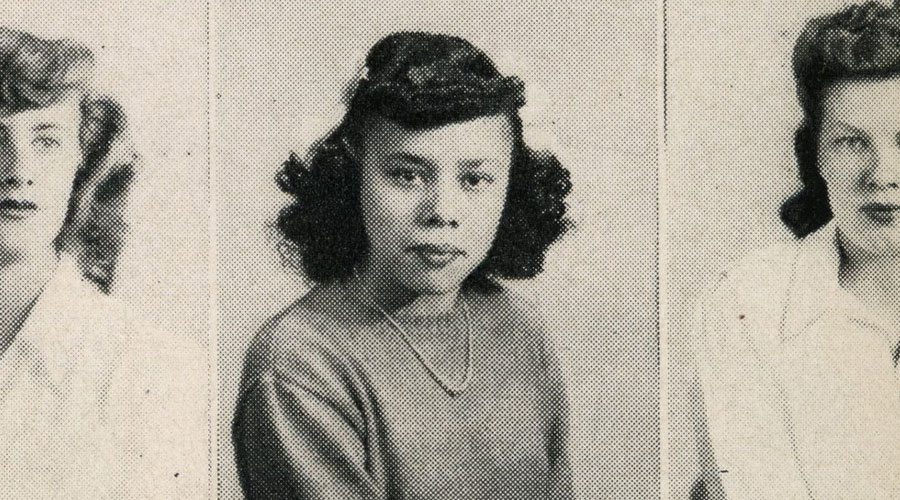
(591, 74)
(151, 58)
(732, 112)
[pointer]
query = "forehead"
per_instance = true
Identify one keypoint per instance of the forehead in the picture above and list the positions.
(484, 137)
(870, 103)
(65, 113)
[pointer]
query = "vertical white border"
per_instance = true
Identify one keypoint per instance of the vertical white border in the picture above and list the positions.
(662, 253)
(213, 339)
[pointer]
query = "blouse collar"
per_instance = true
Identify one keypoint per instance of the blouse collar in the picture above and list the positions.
(815, 288)
(51, 335)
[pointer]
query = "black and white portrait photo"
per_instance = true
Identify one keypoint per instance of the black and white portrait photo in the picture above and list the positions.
(436, 257)
(786, 161)
(97, 386)
(449, 249)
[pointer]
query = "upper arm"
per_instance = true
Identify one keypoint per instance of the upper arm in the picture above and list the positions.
(300, 431)
(555, 409)
(742, 413)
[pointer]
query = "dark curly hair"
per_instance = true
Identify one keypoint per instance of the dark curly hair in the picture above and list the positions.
(858, 42)
(34, 73)
(421, 80)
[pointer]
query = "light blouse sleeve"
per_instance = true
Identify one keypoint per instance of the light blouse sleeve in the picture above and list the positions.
(301, 435)
(742, 403)
(158, 408)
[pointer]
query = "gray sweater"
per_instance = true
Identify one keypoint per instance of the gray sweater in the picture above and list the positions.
(335, 405)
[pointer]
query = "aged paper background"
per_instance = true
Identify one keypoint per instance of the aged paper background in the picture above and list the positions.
(591, 68)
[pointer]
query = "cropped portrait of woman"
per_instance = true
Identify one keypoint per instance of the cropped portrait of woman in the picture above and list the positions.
(798, 344)
(410, 370)
(82, 413)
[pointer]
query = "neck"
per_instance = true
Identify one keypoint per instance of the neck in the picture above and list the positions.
(21, 282)
(398, 300)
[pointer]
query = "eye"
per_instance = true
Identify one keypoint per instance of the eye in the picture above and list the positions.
(476, 180)
(853, 143)
(45, 142)
(406, 176)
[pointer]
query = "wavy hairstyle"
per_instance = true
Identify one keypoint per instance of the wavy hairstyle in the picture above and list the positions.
(421, 80)
(34, 73)
(858, 42)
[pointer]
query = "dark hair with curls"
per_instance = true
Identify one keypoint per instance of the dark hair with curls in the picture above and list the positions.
(35, 73)
(858, 42)
(421, 80)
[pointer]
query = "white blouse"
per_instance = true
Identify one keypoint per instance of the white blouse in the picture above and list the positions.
(93, 405)
(801, 391)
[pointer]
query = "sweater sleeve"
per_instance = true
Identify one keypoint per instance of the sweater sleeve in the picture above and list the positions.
(299, 433)
(555, 410)
(557, 432)
(554, 403)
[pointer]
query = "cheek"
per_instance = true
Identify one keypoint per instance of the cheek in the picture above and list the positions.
(485, 218)
(842, 175)
(57, 182)
(387, 216)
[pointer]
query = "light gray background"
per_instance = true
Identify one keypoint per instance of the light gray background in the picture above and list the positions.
(732, 111)
(151, 57)
(591, 68)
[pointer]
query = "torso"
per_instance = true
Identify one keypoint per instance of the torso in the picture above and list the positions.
(84, 406)
(490, 441)
(802, 398)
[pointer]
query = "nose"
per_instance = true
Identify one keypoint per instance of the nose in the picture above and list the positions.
(11, 174)
(444, 205)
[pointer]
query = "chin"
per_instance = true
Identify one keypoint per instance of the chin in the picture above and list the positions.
(9, 253)
(432, 283)
(879, 243)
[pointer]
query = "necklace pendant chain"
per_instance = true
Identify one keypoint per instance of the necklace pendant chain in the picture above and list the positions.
(451, 389)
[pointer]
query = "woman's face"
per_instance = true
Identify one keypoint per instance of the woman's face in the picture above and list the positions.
(432, 199)
(859, 157)
(39, 155)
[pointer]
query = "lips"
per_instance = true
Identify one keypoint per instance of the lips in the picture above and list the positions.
(436, 256)
(16, 209)
(881, 213)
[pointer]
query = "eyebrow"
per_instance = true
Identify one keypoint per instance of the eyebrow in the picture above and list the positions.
(46, 126)
(411, 158)
(480, 162)
(857, 130)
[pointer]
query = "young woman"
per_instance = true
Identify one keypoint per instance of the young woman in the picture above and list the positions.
(798, 344)
(410, 371)
(84, 409)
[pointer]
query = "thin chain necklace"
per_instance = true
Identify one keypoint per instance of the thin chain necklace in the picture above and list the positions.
(452, 390)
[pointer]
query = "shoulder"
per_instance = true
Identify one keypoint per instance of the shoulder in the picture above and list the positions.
(738, 317)
(756, 280)
(516, 320)
(145, 359)
(303, 339)
(507, 306)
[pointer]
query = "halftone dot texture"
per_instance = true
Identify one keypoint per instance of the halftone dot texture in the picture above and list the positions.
(587, 73)
(778, 386)
(102, 392)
